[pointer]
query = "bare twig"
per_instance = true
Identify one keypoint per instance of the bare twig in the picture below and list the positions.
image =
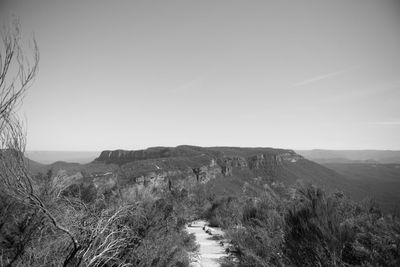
(16, 75)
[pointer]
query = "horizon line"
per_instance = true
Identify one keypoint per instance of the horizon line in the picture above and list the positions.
(295, 149)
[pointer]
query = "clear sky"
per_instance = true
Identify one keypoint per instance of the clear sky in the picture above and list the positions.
(290, 74)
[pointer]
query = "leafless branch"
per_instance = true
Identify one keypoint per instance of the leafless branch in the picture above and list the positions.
(17, 73)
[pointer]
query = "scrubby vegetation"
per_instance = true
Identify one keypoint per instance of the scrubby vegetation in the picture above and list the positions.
(303, 226)
(144, 231)
(279, 226)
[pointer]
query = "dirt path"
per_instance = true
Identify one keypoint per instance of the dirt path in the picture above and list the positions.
(211, 251)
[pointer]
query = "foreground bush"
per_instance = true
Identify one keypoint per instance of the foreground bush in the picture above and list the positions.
(144, 234)
(309, 228)
(333, 231)
(257, 241)
(314, 235)
(141, 232)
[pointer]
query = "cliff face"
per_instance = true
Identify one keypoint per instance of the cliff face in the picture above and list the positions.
(177, 178)
(125, 156)
(263, 160)
(171, 167)
(222, 169)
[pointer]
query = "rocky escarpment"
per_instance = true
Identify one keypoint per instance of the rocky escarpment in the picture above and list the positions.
(179, 178)
(172, 173)
(262, 160)
(222, 169)
(169, 167)
(125, 156)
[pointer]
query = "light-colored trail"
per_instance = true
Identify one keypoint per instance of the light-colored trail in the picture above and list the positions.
(211, 251)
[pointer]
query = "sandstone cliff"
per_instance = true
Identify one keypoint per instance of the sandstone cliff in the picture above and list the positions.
(168, 167)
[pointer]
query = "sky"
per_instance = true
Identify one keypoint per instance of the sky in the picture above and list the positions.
(287, 74)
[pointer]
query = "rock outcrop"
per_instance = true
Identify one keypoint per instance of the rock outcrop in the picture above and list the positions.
(263, 160)
(124, 156)
(228, 169)
(171, 167)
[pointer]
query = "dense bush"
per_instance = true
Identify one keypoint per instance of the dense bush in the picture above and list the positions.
(224, 212)
(144, 231)
(333, 231)
(19, 226)
(257, 240)
(306, 227)
(142, 234)
(299, 226)
(313, 231)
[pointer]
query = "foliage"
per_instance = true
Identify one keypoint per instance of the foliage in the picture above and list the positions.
(313, 231)
(256, 241)
(143, 232)
(306, 227)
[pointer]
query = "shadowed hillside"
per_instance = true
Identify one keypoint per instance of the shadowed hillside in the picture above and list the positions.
(382, 181)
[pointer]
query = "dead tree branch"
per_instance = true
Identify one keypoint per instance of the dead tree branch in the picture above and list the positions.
(17, 73)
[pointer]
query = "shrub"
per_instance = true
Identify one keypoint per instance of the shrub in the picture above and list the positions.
(257, 240)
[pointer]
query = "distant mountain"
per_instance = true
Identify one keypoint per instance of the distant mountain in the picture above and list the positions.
(227, 168)
(351, 156)
(34, 166)
(10, 156)
(48, 157)
(224, 170)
